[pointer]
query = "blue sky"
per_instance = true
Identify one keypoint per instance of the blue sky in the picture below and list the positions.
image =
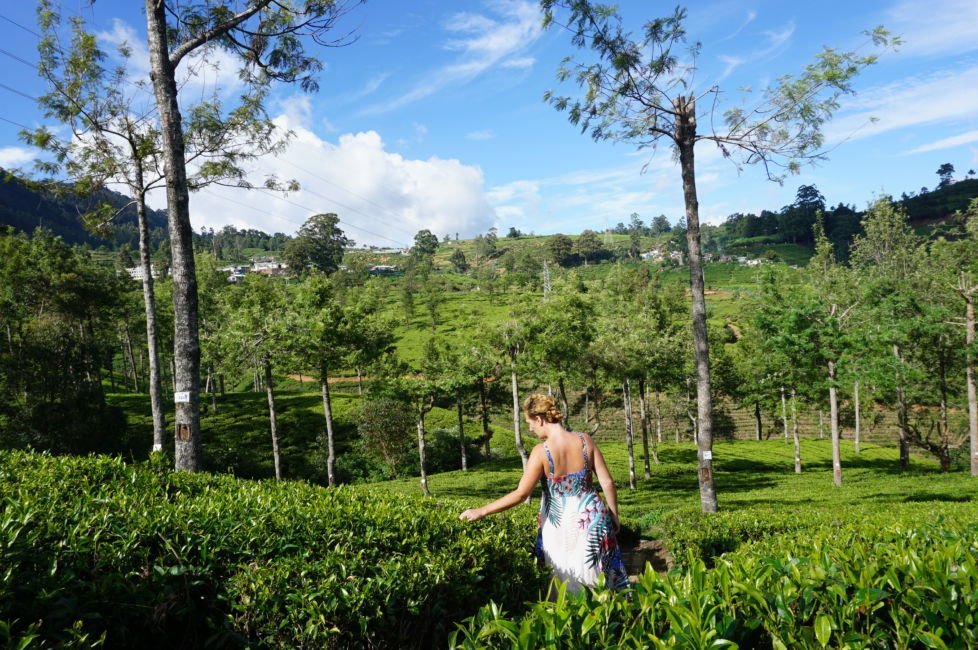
(434, 117)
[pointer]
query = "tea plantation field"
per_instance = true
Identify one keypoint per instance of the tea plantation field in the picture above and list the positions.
(97, 551)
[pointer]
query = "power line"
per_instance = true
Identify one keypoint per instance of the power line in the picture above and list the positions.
(17, 92)
(352, 209)
(349, 225)
(14, 22)
(348, 191)
(290, 221)
(3, 119)
(17, 58)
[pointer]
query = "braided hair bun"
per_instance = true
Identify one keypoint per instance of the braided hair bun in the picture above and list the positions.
(545, 406)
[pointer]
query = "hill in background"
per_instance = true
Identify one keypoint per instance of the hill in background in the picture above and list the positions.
(26, 206)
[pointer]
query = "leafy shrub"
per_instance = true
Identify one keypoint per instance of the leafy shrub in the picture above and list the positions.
(859, 586)
(95, 550)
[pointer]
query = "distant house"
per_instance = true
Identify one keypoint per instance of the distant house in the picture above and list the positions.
(677, 257)
(268, 266)
(235, 273)
(382, 269)
(753, 262)
(136, 272)
(654, 255)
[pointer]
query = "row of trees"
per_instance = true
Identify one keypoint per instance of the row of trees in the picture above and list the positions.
(893, 330)
(116, 138)
(897, 324)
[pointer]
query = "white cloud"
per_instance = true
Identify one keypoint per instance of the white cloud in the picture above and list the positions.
(946, 143)
(485, 134)
(520, 63)
(939, 98)
(777, 39)
(482, 44)
(381, 197)
(207, 72)
(15, 156)
(775, 42)
(730, 63)
(930, 28)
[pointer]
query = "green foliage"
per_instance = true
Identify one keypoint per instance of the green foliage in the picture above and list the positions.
(386, 427)
(96, 549)
(901, 586)
(318, 245)
(425, 245)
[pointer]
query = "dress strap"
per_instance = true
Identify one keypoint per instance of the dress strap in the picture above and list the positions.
(550, 459)
(583, 450)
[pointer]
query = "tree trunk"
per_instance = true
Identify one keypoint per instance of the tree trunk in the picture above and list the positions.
(834, 424)
(330, 440)
(629, 432)
(130, 354)
(359, 381)
(902, 415)
(644, 419)
(421, 450)
(149, 303)
(516, 415)
(111, 365)
(212, 387)
(270, 393)
(658, 417)
(972, 391)
(857, 432)
(461, 431)
(186, 343)
(563, 402)
(784, 414)
(794, 431)
(685, 137)
(758, 428)
(484, 408)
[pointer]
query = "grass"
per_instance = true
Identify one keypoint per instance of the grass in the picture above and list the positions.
(751, 476)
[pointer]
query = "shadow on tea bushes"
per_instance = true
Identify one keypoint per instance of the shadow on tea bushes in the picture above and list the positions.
(93, 550)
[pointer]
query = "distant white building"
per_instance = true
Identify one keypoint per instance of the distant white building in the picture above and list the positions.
(268, 266)
(235, 273)
(136, 272)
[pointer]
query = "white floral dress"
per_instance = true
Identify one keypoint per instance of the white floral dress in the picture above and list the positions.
(577, 538)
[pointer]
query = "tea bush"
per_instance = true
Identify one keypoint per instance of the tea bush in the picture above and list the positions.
(854, 586)
(93, 550)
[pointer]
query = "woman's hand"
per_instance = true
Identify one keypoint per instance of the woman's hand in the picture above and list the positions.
(472, 514)
(615, 524)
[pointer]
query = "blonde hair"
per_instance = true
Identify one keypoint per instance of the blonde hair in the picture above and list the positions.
(543, 406)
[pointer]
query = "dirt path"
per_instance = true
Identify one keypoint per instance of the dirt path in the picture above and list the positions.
(332, 380)
(647, 550)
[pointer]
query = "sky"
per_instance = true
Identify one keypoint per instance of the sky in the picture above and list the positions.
(433, 116)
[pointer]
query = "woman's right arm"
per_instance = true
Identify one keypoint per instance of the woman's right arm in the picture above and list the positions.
(531, 476)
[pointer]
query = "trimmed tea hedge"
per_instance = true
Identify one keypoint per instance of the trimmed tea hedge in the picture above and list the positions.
(855, 586)
(93, 550)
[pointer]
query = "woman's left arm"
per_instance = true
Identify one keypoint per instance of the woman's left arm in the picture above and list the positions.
(531, 475)
(607, 484)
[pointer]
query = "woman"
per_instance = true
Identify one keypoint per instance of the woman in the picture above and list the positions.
(577, 529)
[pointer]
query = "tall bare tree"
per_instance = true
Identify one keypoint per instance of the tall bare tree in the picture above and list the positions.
(114, 141)
(268, 37)
(642, 90)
